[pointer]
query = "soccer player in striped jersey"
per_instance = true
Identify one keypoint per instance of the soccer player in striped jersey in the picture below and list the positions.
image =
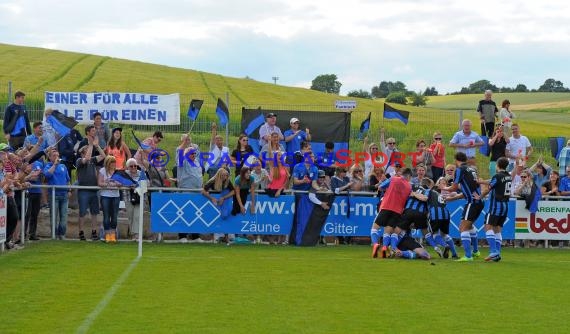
(439, 220)
(466, 181)
(500, 190)
(415, 212)
(397, 191)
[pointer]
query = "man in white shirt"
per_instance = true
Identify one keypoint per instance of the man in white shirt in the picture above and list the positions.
(268, 128)
(518, 146)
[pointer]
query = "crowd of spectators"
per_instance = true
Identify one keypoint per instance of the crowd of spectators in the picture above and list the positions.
(35, 154)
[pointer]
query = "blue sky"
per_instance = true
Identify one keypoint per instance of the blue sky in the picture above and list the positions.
(446, 44)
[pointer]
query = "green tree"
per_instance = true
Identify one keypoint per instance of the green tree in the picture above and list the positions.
(551, 85)
(481, 86)
(327, 83)
(521, 88)
(418, 99)
(397, 97)
(387, 87)
(431, 92)
(360, 93)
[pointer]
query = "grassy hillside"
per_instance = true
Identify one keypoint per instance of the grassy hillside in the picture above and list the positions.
(35, 70)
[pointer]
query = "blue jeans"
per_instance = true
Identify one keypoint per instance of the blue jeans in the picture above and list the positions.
(61, 202)
(110, 212)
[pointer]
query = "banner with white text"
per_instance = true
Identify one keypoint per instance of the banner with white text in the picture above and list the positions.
(115, 107)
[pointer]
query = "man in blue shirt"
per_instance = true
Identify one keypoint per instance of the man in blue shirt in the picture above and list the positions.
(466, 141)
(306, 174)
(33, 138)
(56, 174)
(295, 136)
(564, 187)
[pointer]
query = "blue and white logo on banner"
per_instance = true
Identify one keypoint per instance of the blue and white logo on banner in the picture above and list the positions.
(456, 210)
(194, 213)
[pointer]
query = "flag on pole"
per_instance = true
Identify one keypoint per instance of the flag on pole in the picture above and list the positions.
(194, 109)
(222, 112)
(364, 127)
(60, 123)
(140, 143)
(123, 178)
(254, 124)
(393, 113)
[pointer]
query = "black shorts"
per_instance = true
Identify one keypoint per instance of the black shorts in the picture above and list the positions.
(387, 218)
(410, 216)
(441, 225)
(471, 211)
(408, 243)
(495, 220)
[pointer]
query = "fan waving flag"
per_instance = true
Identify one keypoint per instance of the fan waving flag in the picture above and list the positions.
(194, 109)
(61, 124)
(222, 112)
(485, 149)
(123, 178)
(254, 124)
(364, 127)
(393, 113)
(140, 143)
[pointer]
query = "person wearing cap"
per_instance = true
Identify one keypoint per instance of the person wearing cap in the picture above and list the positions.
(87, 176)
(295, 136)
(117, 148)
(102, 129)
(268, 128)
(16, 122)
(188, 175)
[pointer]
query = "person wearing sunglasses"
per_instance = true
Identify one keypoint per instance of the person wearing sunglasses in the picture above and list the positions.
(437, 150)
(389, 148)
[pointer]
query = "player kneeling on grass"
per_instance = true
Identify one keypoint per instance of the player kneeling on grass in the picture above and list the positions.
(408, 248)
(500, 190)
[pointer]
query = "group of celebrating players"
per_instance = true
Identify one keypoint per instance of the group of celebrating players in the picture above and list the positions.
(423, 207)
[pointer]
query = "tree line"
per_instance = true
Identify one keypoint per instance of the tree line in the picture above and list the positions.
(397, 92)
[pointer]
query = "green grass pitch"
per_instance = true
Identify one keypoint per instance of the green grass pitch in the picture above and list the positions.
(70, 287)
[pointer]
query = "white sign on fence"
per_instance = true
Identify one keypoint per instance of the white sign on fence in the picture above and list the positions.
(550, 222)
(123, 108)
(345, 104)
(2, 218)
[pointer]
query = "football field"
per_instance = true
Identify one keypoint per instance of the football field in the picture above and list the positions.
(74, 287)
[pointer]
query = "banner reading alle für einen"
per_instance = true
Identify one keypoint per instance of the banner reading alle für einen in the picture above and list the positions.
(123, 108)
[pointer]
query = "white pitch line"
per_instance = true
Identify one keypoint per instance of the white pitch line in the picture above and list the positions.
(107, 298)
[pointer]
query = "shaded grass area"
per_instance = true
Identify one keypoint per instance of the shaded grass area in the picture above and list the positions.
(53, 286)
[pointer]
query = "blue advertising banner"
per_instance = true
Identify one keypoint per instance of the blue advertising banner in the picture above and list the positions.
(456, 209)
(194, 213)
(362, 213)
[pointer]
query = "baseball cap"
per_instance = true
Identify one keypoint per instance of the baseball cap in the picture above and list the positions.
(294, 120)
(321, 173)
(270, 115)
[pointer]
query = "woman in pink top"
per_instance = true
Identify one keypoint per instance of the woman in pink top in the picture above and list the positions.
(438, 151)
(278, 177)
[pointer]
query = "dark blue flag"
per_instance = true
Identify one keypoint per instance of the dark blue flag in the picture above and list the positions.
(61, 124)
(123, 178)
(393, 113)
(364, 127)
(485, 149)
(556, 145)
(254, 124)
(140, 143)
(194, 109)
(222, 112)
